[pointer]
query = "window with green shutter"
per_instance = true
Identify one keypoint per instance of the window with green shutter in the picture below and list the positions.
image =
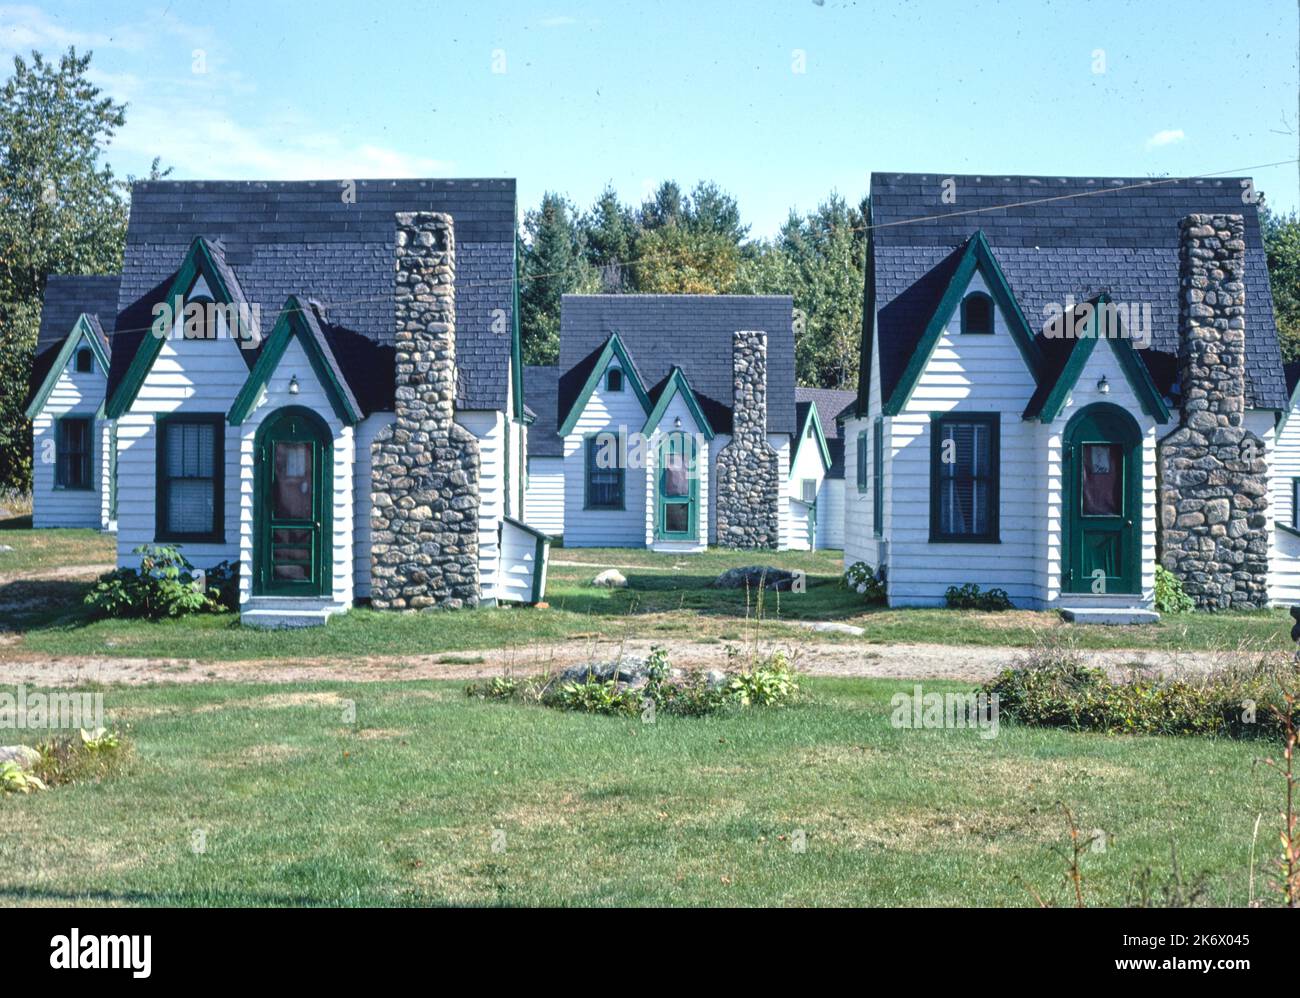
(878, 477)
(862, 461)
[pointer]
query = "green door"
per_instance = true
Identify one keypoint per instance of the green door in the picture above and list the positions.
(292, 505)
(1102, 502)
(677, 489)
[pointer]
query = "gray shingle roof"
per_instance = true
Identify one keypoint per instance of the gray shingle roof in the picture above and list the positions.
(301, 237)
(1121, 241)
(693, 332)
(541, 387)
(66, 297)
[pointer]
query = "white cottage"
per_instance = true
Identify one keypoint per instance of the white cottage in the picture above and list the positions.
(668, 423)
(1057, 394)
(320, 383)
(816, 492)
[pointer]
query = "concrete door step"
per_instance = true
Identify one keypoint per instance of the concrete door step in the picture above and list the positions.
(1109, 615)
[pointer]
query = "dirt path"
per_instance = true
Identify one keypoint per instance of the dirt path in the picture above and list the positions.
(897, 661)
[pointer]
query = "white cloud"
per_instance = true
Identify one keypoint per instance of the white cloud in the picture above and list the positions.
(1165, 138)
(202, 124)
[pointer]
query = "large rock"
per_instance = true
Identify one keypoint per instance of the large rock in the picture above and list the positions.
(752, 576)
(26, 756)
(630, 671)
(611, 578)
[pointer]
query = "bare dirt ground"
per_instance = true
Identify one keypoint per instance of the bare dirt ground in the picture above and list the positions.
(898, 661)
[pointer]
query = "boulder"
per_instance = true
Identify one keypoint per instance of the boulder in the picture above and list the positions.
(630, 672)
(752, 576)
(26, 756)
(611, 578)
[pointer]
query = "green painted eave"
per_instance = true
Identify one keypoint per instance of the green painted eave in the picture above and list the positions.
(677, 385)
(613, 348)
(815, 421)
(291, 322)
(978, 256)
(81, 330)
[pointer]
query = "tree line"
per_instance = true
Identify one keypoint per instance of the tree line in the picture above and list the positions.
(63, 210)
(694, 242)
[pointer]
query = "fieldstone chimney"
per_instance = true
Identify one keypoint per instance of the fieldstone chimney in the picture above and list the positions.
(1213, 476)
(748, 480)
(425, 467)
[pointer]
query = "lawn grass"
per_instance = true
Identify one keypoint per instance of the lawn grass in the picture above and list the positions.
(35, 550)
(404, 806)
(667, 596)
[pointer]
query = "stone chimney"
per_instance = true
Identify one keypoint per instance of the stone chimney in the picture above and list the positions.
(1213, 476)
(425, 467)
(748, 480)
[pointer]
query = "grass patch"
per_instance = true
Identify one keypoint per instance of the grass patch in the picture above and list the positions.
(35, 550)
(403, 805)
(667, 596)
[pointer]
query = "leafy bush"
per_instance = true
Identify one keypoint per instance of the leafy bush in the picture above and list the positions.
(1055, 689)
(862, 579)
(16, 780)
(769, 685)
(969, 597)
(1170, 597)
(83, 757)
(594, 697)
(165, 585)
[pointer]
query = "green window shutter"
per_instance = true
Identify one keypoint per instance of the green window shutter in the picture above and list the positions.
(964, 477)
(1295, 502)
(862, 461)
(878, 477)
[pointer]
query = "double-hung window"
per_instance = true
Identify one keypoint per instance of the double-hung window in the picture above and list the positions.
(604, 472)
(190, 478)
(964, 477)
(72, 452)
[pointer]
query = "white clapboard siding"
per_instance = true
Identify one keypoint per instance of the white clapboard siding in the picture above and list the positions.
(311, 395)
(520, 565)
(716, 446)
(780, 442)
(194, 376)
(1101, 362)
(612, 412)
(1284, 584)
(544, 502)
(978, 374)
(830, 514)
(858, 538)
(808, 466)
(107, 483)
(489, 426)
(800, 514)
(78, 395)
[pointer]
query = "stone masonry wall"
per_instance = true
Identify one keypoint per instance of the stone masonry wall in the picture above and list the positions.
(425, 477)
(1213, 476)
(749, 487)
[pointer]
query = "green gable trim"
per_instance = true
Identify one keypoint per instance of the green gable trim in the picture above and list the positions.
(1139, 378)
(81, 329)
(978, 256)
(815, 421)
(613, 348)
(290, 323)
(678, 385)
(1290, 408)
(198, 262)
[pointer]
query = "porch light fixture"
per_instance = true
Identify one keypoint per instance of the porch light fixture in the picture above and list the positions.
(293, 385)
(1103, 385)
(677, 423)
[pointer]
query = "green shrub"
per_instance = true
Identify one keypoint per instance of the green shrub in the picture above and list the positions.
(1170, 597)
(861, 578)
(769, 685)
(84, 757)
(165, 585)
(594, 697)
(1054, 689)
(16, 780)
(969, 597)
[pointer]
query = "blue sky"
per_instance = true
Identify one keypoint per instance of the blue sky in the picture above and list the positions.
(780, 102)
